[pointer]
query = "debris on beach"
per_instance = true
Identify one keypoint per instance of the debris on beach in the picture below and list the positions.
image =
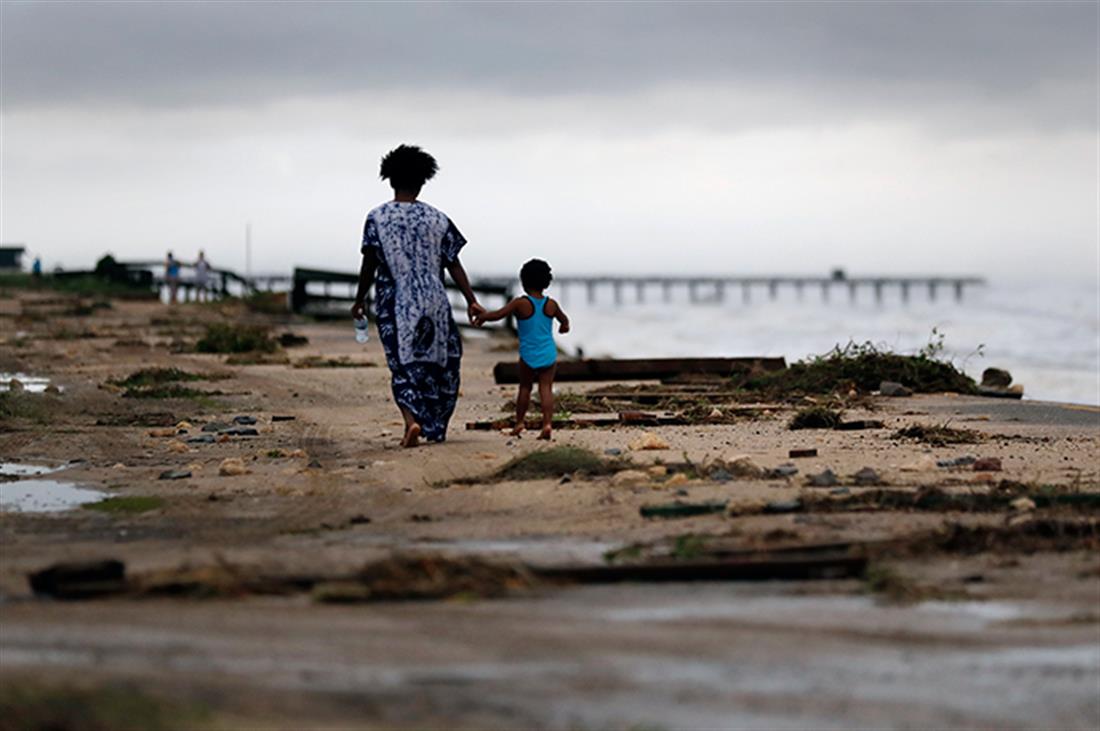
(939, 435)
(648, 441)
(801, 453)
(680, 509)
(80, 580)
(894, 389)
(997, 383)
(232, 467)
(815, 417)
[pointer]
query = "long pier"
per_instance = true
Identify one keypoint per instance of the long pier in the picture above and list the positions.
(711, 288)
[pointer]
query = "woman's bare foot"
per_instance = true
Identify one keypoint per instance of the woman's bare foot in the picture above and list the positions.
(545, 433)
(518, 431)
(412, 436)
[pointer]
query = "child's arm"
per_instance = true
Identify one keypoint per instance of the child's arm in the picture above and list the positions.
(500, 314)
(561, 317)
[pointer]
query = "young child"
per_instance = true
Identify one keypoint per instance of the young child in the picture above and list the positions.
(535, 314)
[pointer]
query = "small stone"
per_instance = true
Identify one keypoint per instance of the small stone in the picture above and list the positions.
(201, 439)
(893, 388)
(658, 470)
(159, 433)
(565, 480)
(52, 390)
(214, 426)
(232, 467)
(177, 446)
(244, 420)
(799, 453)
(743, 466)
(784, 470)
(996, 378)
(823, 479)
(358, 520)
(783, 506)
(867, 476)
(184, 425)
(840, 491)
(648, 442)
(962, 461)
(720, 475)
(241, 431)
(174, 475)
(282, 417)
(613, 452)
(987, 464)
(1016, 388)
(1022, 504)
(681, 493)
(629, 477)
(715, 413)
(118, 466)
(678, 479)
(223, 438)
(923, 464)
(301, 454)
(314, 464)
(15, 385)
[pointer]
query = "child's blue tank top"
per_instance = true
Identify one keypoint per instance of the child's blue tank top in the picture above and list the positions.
(536, 337)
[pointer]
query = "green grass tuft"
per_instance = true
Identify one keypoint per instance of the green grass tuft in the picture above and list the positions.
(127, 504)
(28, 705)
(815, 417)
(863, 367)
(555, 462)
(226, 338)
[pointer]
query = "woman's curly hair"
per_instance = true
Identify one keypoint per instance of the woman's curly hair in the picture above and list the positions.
(407, 167)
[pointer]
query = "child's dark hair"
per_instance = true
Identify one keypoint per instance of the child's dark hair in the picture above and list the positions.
(407, 167)
(535, 275)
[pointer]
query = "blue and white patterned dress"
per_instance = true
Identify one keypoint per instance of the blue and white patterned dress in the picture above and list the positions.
(413, 243)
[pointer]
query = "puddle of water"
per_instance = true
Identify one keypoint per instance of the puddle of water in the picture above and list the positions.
(31, 384)
(18, 469)
(44, 496)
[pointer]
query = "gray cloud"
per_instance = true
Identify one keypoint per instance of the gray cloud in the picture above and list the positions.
(224, 53)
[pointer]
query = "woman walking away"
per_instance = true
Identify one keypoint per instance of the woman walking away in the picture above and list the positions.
(406, 246)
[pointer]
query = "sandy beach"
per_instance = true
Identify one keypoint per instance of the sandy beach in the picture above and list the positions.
(1004, 633)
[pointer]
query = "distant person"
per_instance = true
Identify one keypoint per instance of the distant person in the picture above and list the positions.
(36, 267)
(172, 277)
(538, 354)
(407, 244)
(202, 277)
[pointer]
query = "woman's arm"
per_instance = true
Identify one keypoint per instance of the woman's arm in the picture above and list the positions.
(458, 274)
(366, 279)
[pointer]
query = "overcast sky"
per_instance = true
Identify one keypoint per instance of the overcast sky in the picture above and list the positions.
(722, 137)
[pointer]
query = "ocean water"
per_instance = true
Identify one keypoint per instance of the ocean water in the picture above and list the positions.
(1047, 336)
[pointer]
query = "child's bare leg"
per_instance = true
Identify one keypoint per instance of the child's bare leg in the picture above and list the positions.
(523, 397)
(412, 429)
(546, 396)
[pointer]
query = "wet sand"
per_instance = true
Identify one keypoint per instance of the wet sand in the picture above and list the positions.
(1022, 649)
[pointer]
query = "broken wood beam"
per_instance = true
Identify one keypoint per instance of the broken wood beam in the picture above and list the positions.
(644, 369)
(789, 568)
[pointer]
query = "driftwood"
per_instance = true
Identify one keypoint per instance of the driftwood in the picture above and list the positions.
(643, 369)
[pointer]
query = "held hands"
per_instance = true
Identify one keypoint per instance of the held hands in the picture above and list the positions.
(358, 310)
(476, 313)
(563, 328)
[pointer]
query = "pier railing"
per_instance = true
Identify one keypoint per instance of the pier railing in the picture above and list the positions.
(715, 288)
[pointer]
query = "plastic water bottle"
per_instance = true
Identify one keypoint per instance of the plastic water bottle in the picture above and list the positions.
(361, 334)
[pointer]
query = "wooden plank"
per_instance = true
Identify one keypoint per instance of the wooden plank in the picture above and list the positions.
(643, 369)
(789, 568)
